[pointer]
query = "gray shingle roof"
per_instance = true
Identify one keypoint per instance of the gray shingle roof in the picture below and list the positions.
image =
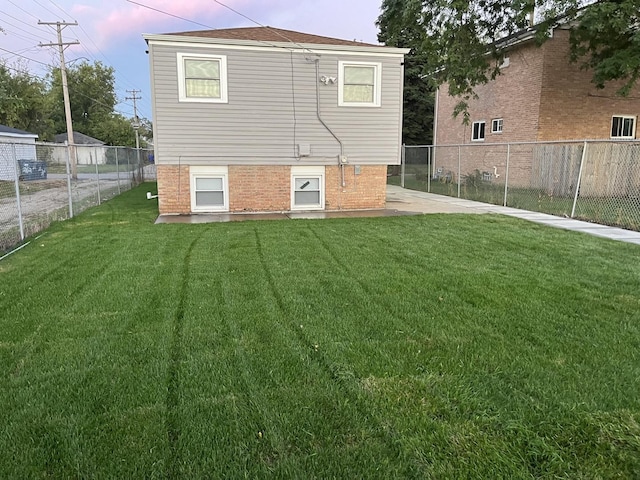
(14, 131)
(270, 34)
(78, 139)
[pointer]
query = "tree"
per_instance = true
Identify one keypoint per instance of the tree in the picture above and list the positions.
(462, 43)
(92, 98)
(400, 26)
(23, 101)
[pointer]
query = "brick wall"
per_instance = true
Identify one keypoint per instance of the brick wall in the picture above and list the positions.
(541, 96)
(173, 189)
(513, 96)
(262, 188)
(363, 191)
(572, 108)
(259, 188)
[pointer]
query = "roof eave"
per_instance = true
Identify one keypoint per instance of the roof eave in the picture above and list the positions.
(18, 135)
(266, 44)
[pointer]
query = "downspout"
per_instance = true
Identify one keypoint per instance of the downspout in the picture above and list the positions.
(435, 132)
(317, 62)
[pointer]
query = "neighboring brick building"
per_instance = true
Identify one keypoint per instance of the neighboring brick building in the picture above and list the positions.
(263, 119)
(539, 96)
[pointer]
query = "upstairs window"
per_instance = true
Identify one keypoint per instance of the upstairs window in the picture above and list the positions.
(623, 126)
(202, 78)
(477, 134)
(496, 125)
(359, 84)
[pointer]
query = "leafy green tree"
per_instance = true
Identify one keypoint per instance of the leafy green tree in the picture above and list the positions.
(462, 44)
(23, 102)
(400, 26)
(92, 97)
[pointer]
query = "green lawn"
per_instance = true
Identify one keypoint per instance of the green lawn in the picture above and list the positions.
(438, 346)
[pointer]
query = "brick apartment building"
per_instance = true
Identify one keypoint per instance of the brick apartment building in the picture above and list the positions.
(539, 96)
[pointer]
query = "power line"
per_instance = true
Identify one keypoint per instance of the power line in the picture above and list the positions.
(20, 8)
(21, 21)
(16, 34)
(42, 79)
(172, 15)
(59, 8)
(26, 58)
(263, 26)
(209, 27)
(38, 3)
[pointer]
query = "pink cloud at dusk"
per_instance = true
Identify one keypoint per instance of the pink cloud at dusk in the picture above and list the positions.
(126, 21)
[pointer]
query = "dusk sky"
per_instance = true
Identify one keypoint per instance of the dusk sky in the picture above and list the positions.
(111, 30)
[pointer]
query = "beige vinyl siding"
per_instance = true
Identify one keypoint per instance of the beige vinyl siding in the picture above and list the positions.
(257, 124)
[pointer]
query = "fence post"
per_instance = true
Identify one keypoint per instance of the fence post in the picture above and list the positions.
(429, 169)
(459, 153)
(98, 180)
(575, 198)
(402, 160)
(117, 170)
(506, 175)
(17, 185)
(66, 143)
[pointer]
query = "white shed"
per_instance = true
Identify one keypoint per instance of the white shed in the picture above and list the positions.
(15, 145)
(89, 150)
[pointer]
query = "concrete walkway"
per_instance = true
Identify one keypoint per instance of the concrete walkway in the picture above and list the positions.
(401, 201)
(414, 201)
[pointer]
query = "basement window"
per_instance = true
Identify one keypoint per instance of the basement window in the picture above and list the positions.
(307, 188)
(477, 134)
(623, 126)
(209, 189)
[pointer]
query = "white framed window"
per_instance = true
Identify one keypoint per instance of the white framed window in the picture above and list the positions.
(209, 189)
(623, 126)
(307, 188)
(477, 133)
(496, 125)
(202, 78)
(359, 84)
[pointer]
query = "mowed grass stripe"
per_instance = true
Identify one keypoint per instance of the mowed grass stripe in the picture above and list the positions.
(431, 347)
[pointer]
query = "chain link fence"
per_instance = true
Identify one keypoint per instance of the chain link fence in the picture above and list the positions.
(596, 181)
(40, 184)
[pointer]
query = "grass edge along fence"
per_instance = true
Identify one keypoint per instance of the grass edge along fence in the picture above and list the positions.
(595, 181)
(39, 186)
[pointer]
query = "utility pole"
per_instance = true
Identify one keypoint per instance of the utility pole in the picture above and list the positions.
(136, 126)
(136, 120)
(65, 89)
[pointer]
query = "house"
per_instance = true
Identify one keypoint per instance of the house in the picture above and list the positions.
(265, 119)
(539, 96)
(90, 151)
(15, 145)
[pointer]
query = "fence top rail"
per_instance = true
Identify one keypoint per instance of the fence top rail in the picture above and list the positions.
(631, 141)
(88, 145)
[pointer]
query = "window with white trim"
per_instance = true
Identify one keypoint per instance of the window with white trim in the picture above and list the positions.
(202, 78)
(496, 125)
(359, 84)
(307, 188)
(209, 189)
(477, 133)
(623, 126)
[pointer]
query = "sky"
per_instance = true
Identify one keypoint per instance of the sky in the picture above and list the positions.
(110, 31)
